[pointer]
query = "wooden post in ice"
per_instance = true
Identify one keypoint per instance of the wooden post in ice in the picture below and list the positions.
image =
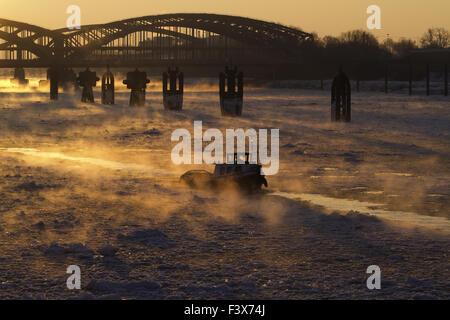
(446, 80)
(53, 75)
(386, 78)
(410, 78)
(428, 79)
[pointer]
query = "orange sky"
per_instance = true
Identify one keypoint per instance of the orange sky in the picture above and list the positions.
(400, 18)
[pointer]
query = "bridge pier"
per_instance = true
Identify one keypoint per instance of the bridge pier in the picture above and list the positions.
(137, 81)
(68, 78)
(341, 106)
(231, 100)
(108, 87)
(58, 77)
(53, 76)
(173, 97)
(19, 77)
(87, 80)
(19, 72)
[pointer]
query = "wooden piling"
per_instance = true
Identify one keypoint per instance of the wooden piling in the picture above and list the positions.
(410, 78)
(428, 79)
(446, 80)
(386, 78)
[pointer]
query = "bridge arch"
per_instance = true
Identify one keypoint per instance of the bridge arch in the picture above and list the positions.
(25, 37)
(181, 26)
(156, 35)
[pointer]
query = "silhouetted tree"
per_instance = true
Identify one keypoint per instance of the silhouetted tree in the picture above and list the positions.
(318, 42)
(403, 46)
(359, 38)
(362, 55)
(398, 48)
(388, 45)
(331, 42)
(436, 38)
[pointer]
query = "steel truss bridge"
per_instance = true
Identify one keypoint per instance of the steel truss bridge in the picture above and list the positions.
(179, 38)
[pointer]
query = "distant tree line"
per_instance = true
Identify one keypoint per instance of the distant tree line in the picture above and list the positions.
(363, 55)
(433, 38)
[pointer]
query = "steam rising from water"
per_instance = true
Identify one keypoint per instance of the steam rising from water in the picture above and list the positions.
(147, 170)
(394, 169)
(345, 205)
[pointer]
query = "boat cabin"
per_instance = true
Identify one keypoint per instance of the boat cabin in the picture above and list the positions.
(237, 164)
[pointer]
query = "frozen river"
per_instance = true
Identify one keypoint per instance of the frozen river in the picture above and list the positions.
(94, 185)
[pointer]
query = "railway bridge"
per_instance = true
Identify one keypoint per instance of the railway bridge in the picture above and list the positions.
(184, 39)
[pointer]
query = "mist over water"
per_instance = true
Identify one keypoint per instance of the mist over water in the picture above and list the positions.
(35, 75)
(95, 185)
(441, 224)
(357, 161)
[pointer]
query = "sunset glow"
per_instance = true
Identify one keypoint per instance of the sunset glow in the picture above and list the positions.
(401, 18)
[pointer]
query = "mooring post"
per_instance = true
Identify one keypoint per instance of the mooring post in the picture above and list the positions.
(137, 81)
(321, 84)
(386, 78)
(108, 87)
(357, 85)
(428, 79)
(410, 78)
(53, 74)
(446, 80)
